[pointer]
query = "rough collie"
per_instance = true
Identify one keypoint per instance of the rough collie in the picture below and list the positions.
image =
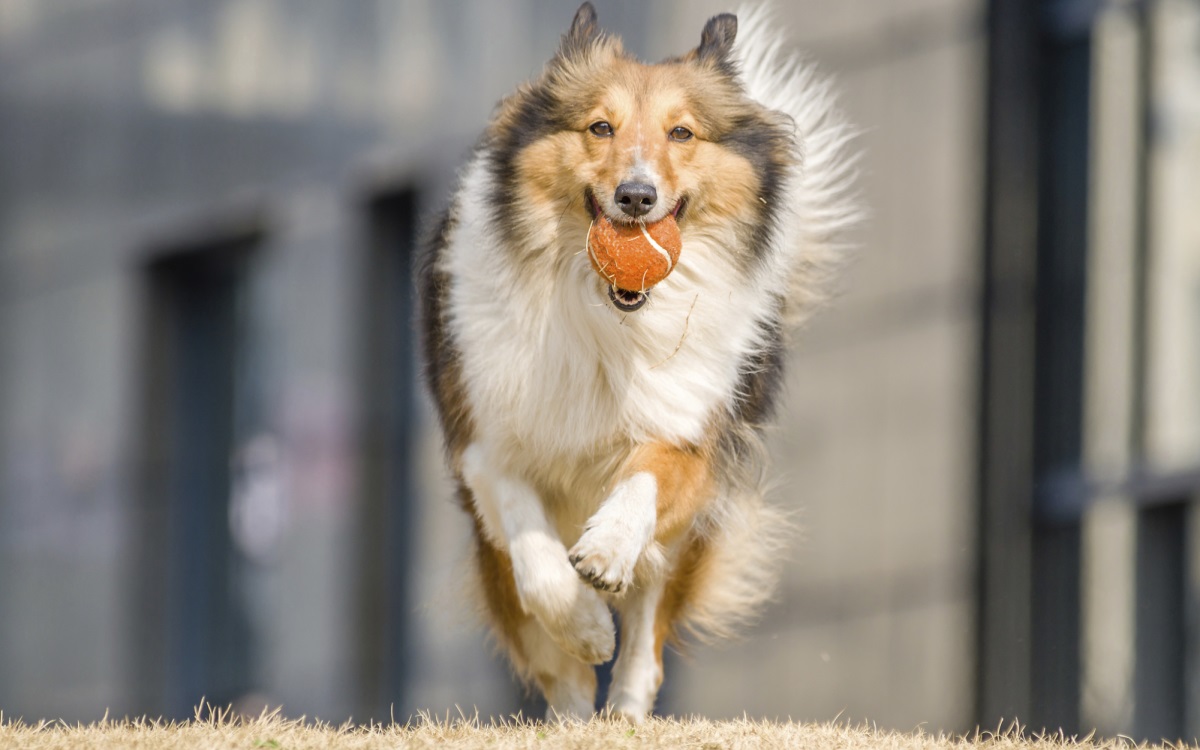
(607, 442)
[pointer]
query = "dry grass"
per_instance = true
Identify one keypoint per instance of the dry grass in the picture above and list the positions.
(274, 732)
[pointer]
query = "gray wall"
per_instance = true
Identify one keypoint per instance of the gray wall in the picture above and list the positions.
(130, 123)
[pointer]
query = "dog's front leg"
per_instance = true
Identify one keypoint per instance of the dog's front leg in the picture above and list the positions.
(662, 488)
(617, 534)
(513, 518)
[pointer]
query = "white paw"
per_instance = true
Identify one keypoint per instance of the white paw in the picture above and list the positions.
(615, 537)
(569, 714)
(588, 633)
(573, 615)
(629, 712)
(606, 558)
(634, 690)
(570, 692)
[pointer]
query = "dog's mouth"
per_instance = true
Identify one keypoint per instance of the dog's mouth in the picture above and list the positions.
(626, 301)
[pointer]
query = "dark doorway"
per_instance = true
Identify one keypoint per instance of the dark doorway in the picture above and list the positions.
(194, 638)
(388, 402)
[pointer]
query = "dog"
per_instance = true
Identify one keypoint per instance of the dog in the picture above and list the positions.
(607, 443)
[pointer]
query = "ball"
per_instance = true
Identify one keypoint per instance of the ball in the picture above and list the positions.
(634, 257)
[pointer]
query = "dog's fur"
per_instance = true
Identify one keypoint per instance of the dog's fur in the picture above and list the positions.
(611, 458)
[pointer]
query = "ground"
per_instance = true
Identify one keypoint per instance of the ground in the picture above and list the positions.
(271, 732)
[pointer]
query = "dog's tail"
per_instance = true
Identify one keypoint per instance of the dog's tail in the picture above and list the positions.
(733, 558)
(732, 568)
(823, 202)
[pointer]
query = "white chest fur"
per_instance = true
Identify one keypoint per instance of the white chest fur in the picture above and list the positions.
(554, 372)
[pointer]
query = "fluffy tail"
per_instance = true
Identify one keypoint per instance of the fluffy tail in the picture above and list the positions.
(734, 568)
(822, 189)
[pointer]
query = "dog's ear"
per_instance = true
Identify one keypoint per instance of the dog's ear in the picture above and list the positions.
(716, 41)
(583, 32)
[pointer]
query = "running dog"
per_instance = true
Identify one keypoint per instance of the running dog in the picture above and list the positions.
(606, 442)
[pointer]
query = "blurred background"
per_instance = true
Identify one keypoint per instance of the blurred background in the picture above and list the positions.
(220, 478)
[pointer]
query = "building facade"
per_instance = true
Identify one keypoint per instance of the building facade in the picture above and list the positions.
(220, 479)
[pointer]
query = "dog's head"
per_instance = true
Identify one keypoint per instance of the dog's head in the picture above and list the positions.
(600, 131)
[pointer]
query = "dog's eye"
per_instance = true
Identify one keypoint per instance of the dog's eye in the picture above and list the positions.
(681, 134)
(601, 128)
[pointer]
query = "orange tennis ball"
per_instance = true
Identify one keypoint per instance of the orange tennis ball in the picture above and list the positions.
(634, 257)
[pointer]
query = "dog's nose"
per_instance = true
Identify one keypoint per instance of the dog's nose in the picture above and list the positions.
(636, 198)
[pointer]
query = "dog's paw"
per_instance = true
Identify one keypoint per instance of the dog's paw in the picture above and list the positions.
(634, 688)
(634, 712)
(574, 615)
(587, 633)
(617, 535)
(605, 558)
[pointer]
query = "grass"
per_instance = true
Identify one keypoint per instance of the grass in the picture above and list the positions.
(273, 732)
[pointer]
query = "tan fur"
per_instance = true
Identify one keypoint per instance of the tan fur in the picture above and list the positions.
(643, 103)
(685, 484)
(499, 590)
(679, 593)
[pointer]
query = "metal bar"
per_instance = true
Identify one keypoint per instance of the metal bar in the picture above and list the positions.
(1008, 324)
(1141, 266)
(1064, 497)
(1065, 119)
(1159, 669)
(1160, 641)
(1032, 360)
